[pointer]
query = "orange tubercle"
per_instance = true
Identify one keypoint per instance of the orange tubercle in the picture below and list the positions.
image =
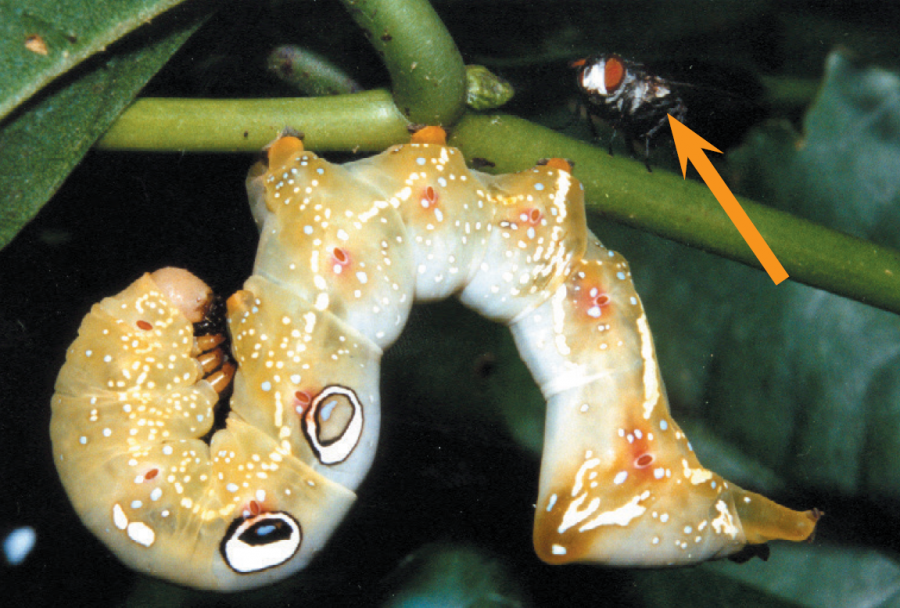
(283, 149)
(560, 163)
(430, 135)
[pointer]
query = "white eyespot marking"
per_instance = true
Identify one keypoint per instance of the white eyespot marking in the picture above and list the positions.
(333, 424)
(261, 542)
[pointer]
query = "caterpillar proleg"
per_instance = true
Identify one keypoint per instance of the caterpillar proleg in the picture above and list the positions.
(344, 252)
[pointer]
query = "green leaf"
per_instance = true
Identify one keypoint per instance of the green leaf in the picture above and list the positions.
(808, 576)
(819, 373)
(71, 31)
(46, 138)
(817, 576)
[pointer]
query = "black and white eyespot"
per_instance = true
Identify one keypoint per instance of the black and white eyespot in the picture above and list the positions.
(261, 542)
(333, 424)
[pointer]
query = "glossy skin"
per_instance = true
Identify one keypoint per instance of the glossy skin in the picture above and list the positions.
(344, 251)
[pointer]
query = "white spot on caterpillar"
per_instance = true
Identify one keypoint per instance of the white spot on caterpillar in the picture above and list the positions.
(558, 549)
(651, 381)
(119, 518)
(141, 533)
(724, 523)
(619, 517)
(620, 478)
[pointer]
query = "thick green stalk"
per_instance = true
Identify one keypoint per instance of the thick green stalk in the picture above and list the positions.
(616, 188)
(366, 121)
(686, 211)
(428, 77)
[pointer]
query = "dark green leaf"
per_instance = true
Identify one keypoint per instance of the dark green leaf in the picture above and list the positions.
(60, 34)
(43, 140)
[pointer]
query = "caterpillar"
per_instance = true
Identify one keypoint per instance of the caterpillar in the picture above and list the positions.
(344, 252)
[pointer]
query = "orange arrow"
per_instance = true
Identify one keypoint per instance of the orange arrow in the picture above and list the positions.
(690, 146)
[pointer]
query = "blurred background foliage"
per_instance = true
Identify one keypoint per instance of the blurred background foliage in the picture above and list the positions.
(789, 391)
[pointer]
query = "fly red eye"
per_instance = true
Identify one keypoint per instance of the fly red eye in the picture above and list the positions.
(613, 73)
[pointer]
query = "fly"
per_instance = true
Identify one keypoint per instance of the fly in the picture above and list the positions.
(635, 102)
(629, 98)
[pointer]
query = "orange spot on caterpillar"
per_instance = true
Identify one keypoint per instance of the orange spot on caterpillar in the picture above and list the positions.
(643, 461)
(591, 299)
(340, 257)
(531, 216)
(302, 399)
(151, 474)
(144, 325)
(578, 63)
(429, 198)
(254, 508)
(638, 455)
(613, 73)
(429, 135)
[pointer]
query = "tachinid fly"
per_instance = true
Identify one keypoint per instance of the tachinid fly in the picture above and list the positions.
(635, 101)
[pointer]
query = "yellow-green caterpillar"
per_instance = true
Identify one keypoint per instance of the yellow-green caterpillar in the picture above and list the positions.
(344, 252)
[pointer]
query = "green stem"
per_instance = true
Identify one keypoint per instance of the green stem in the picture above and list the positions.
(616, 188)
(686, 211)
(428, 77)
(366, 122)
